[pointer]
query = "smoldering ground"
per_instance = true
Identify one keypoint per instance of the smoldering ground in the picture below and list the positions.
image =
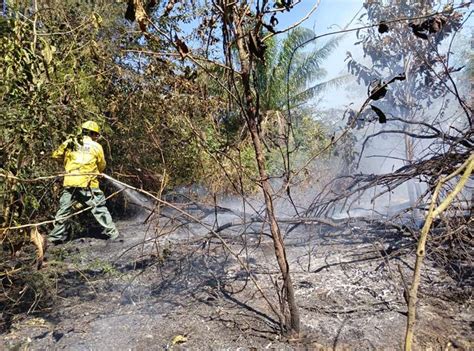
(173, 276)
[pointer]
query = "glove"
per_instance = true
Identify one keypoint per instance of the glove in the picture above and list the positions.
(71, 145)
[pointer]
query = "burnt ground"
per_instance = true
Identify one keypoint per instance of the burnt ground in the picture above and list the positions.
(172, 279)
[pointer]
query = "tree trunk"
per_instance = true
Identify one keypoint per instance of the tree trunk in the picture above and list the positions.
(434, 211)
(251, 114)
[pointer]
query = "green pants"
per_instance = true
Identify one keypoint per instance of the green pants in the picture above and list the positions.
(87, 197)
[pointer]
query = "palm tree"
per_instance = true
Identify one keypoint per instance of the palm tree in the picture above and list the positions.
(305, 72)
(291, 78)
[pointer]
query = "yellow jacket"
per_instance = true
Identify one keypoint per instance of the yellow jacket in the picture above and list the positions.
(84, 158)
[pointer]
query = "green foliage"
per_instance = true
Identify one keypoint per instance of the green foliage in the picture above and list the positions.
(170, 125)
(308, 138)
(303, 66)
(70, 63)
(52, 79)
(22, 96)
(40, 105)
(292, 78)
(105, 268)
(164, 122)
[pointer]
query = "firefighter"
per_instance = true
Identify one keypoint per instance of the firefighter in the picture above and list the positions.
(83, 160)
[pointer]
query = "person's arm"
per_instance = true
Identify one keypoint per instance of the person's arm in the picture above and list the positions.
(61, 150)
(100, 159)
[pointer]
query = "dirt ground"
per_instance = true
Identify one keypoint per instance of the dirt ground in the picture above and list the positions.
(171, 285)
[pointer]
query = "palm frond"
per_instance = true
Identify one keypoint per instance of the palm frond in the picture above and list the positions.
(295, 38)
(309, 68)
(317, 89)
(271, 77)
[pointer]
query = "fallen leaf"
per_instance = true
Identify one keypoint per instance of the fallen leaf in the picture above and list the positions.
(178, 339)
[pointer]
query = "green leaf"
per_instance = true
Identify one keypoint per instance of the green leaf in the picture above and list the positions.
(47, 52)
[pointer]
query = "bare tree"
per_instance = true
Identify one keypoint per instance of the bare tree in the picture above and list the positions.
(244, 27)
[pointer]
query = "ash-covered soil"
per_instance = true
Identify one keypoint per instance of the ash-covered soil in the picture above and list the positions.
(173, 285)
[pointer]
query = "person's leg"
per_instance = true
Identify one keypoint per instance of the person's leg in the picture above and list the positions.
(60, 230)
(96, 199)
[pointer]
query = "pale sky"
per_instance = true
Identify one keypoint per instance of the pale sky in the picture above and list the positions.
(328, 13)
(330, 16)
(333, 15)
